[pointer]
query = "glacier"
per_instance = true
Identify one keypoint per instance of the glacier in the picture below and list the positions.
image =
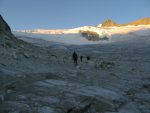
(74, 37)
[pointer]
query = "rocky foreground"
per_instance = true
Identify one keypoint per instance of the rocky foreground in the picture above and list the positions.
(37, 79)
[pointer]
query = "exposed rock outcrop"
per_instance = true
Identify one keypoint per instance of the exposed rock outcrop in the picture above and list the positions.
(4, 27)
(89, 35)
(93, 36)
(7, 39)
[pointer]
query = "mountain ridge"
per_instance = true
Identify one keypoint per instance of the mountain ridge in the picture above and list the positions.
(106, 29)
(111, 23)
(106, 24)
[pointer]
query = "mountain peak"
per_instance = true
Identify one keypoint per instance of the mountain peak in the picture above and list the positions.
(109, 23)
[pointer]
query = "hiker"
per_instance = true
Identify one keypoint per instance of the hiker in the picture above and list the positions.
(88, 58)
(75, 58)
(81, 57)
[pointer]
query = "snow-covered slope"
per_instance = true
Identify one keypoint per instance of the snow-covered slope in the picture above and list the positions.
(99, 30)
(89, 34)
(72, 37)
(106, 29)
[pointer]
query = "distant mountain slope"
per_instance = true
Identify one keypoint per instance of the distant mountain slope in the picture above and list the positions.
(111, 23)
(143, 21)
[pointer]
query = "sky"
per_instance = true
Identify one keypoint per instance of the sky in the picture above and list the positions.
(64, 14)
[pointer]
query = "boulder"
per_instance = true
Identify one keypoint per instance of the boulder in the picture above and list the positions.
(26, 55)
(14, 55)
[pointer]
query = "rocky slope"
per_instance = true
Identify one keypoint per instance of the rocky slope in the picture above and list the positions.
(6, 37)
(143, 21)
(18, 54)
